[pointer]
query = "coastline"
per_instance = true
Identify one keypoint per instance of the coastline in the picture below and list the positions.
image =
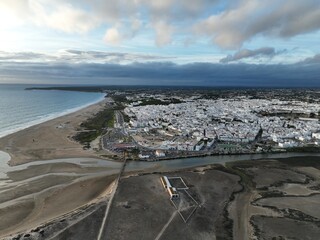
(50, 139)
(49, 117)
(39, 193)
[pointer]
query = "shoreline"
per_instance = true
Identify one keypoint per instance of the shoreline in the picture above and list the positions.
(203, 155)
(51, 139)
(49, 117)
(34, 194)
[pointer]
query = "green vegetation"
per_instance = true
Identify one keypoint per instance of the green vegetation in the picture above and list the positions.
(235, 168)
(304, 149)
(126, 118)
(305, 161)
(154, 101)
(95, 126)
(175, 100)
(135, 153)
(120, 98)
(199, 143)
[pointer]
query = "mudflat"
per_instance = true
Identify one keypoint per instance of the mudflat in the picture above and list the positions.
(280, 199)
(27, 209)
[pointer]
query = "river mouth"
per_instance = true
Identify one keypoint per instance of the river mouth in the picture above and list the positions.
(178, 164)
(132, 166)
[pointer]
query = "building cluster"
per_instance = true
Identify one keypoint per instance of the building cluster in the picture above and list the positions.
(240, 120)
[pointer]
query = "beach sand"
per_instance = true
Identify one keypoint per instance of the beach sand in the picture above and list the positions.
(51, 139)
(42, 193)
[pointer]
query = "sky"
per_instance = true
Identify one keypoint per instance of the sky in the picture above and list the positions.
(161, 42)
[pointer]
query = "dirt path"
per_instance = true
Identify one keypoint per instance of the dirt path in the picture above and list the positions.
(166, 225)
(239, 212)
(116, 183)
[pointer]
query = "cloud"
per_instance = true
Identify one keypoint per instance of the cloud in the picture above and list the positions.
(24, 56)
(249, 18)
(227, 24)
(311, 60)
(246, 53)
(83, 16)
(163, 33)
(135, 26)
(107, 57)
(62, 16)
(165, 73)
(72, 56)
(112, 36)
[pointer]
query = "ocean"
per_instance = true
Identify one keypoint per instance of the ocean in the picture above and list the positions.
(20, 108)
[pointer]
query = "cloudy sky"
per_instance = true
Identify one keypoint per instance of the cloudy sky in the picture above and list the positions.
(161, 42)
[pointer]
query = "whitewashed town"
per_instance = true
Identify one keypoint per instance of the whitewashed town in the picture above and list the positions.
(223, 126)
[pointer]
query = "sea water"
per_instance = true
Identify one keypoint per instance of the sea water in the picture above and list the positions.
(20, 108)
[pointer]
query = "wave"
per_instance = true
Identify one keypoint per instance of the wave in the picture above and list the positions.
(47, 117)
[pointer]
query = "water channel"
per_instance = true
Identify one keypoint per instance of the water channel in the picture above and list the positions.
(158, 166)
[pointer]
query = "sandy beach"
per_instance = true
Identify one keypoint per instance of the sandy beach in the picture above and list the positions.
(49, 140)
(43, 192)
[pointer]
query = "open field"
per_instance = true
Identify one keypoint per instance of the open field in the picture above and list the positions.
(142, 201)
(227, 210)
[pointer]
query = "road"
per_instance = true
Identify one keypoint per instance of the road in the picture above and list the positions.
(103, 224)
(119, 121)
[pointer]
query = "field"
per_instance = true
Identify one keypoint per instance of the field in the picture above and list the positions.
(142, 208)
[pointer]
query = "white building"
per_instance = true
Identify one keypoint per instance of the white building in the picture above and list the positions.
(210, 142)
(167, 185)
(160, 153)
(199, 146)
(316, 135)
(141, 156)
